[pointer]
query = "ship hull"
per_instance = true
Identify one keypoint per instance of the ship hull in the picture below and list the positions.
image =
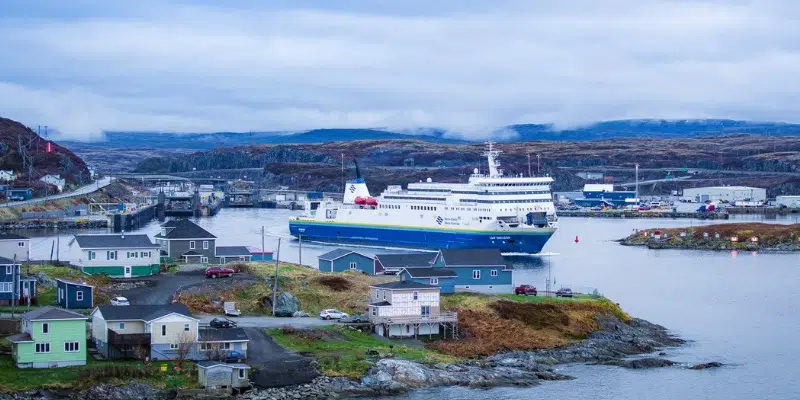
(527, 241)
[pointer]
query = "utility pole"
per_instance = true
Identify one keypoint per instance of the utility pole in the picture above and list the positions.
(538, 166)
(342, 172)
(549, 290)
(637, 181)
(275, 282)
(263, 250)
(300, 250)
(529, 165)
(58, 246)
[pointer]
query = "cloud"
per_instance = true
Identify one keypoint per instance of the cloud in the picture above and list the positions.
(466, 67)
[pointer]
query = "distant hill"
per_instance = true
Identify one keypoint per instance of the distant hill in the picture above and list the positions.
(25, 153)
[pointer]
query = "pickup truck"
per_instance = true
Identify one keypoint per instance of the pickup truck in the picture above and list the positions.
(526, 290)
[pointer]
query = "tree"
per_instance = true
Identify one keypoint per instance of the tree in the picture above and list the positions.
(186, 341)
(27, 152)
(216, 352)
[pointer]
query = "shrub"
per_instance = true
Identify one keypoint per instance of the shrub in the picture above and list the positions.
(334, 282)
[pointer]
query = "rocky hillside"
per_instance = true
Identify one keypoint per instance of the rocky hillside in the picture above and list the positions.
(25, 153)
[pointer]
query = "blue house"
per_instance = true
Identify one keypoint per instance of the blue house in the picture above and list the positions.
(477, 270)
(74, 294)
(341, 260)
(15, 287)
(19, 194)
(444, 278)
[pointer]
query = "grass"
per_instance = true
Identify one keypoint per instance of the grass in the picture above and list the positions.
(47, 295)
(343, 352)
(767, 234)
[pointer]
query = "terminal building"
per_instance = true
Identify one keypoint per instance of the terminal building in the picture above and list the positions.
(597, 195)
(729, 194)
(788, 201)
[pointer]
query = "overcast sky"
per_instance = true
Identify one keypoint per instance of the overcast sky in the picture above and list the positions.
(88, 66)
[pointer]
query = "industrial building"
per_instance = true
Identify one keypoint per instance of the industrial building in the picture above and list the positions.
(788, 201)
(597, 195)
(729, 194)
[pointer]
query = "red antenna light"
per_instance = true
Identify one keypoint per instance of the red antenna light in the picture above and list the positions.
(49, 147)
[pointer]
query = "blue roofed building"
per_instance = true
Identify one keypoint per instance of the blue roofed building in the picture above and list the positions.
(394, 263)
(444, 278)
(341, 260)
(477, 270)
(603, 195)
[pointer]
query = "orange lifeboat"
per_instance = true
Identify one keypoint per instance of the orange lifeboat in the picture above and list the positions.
(371, 201)
(361, 200)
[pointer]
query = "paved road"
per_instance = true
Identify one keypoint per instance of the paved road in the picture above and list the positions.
(271, 322)
(83, 190)
(163, 287)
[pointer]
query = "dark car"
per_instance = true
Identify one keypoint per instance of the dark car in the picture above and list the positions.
(234, 357)
(564, 292)
(357, 318)
(215, 272)
(222, 323)
(526, 290)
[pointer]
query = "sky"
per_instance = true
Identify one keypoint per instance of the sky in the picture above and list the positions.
(87, 66)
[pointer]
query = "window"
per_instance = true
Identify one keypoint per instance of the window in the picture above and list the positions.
(476, 274)
(121, 325)
(111, 255)
(191, 245)
(205, 244)
(163, 330)
(6, 287)
(186, 327)
(204, 260)
(42, 347)
(374, 311)
(45, 328)
(241, 373)
(79, 295)
(92, 255)
(416, 295)
(9, 269)
(434, 281)
(426, 311)
(353, 265)
(494, 272)
(384, 295)
(72, 347)
(173, 346)
(21, 244)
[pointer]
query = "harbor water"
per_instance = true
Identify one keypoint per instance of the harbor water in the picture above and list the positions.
(738, 308)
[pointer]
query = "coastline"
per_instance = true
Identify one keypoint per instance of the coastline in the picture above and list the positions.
(725, 237)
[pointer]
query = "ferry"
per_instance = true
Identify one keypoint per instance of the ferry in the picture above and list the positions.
(512, 213)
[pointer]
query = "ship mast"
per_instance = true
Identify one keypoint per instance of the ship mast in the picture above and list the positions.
(491, 155)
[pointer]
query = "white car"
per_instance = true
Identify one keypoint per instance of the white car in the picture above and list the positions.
(332, 313)
(120, 301)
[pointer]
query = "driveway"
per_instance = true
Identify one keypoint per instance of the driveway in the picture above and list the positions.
(270, 322)
(163, 287)
(274, 365)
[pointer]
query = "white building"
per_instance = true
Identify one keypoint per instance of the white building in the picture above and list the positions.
(788, 201)
(118, 256)
(55, 180)
(406, 308)
(729, 194)
(7, 176)
(15, 247)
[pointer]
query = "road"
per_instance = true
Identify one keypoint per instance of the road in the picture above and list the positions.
(266, 322)
(83, 190)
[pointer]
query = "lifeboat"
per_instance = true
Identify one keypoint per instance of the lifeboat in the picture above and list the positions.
(361, 200)
(371, 201)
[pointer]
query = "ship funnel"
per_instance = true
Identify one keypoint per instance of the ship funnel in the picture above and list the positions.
(355, 188)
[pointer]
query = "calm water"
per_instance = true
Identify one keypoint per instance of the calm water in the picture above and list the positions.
(737, 308)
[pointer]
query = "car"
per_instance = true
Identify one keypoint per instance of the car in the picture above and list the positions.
(332, 313)
(215, 272)
(357, 318)
(234, 357)
(564, 292)
(120, 301)
(222, 323)
(526, 290)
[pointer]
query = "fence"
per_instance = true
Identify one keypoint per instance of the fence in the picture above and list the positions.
(44, 214)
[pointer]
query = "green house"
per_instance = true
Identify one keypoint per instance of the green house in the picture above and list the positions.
(51, 337)
(118, 256)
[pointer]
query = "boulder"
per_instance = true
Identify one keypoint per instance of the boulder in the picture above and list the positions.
(44, 280)
(707, 365)
(286, 305)
(640, 363)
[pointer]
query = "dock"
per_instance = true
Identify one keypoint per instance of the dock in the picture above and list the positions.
(643, 214)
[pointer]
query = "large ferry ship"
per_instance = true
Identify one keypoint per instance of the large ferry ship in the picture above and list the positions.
(512, 213)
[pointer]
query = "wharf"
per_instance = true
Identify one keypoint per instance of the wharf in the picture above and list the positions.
(643, 214)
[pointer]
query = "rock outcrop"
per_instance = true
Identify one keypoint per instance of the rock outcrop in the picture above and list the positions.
(286, 305)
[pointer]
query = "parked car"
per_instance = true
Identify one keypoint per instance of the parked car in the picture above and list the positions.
(332, 313)
(564, 292)
(215, 272)
(234, 357)
(120, 301)
(222, 323)
(358, 318)
(526, 290)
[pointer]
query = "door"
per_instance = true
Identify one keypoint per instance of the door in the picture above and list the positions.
(127, 271)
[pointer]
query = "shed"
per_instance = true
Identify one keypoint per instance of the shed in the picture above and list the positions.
(73, 295)
(214, 374)
(341, 260)
(444, 278)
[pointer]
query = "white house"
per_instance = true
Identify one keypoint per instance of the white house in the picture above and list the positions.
(15, 247)
(55, 180)
(7, 175)
(406, 308)
(115, 255)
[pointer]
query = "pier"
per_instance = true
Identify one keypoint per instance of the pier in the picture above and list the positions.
(643, 214)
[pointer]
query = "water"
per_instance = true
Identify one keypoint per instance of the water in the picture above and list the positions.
(737, 308)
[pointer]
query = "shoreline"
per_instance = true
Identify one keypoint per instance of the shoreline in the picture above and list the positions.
(775, 238)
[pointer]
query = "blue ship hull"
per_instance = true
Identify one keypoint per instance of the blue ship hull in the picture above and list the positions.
(417, 238)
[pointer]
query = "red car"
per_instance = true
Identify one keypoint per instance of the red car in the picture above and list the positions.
(215, 272)
(526, 290)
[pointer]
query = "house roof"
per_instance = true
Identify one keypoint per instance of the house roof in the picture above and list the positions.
(73, 282)
(184, 229)
(473, 257)
(11, 236)
(124, 241)
(431, 273)
(381, 303)
(20, 337)
(338, 253)
(50, 312)
(211, 364)
(143, 313)
(404, 285)
(406, 260)
(7, 261)
(230, 251)
(28, 278)
(222, 335)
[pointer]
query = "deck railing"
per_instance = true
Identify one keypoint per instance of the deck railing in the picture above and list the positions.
(128, 338)
(416, 319)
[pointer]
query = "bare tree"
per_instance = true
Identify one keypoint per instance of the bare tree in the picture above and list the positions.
(216, 352)
(186, 341)
(27, 151)
(142, 353)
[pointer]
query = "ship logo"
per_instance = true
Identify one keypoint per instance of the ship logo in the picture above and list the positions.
(439, 220)
(352, 188)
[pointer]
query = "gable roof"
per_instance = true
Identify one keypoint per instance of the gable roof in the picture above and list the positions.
(472, 257)
(430, 272)
(337, 254)
(11, 236)
(213, 364)
(50, 313)
(230, 251)
(73, 282)
(7, 261)
(406, 260)
(184, 229)
(125, 241)
(404, 285)
(222, 335)
(143, 313)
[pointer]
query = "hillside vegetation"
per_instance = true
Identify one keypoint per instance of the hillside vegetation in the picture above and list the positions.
(753, 236)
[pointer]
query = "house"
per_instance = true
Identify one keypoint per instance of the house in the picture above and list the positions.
(394, 263)
(51, 337)
(405, 308)
(181, 239)
(341, 260)
(54, 180)
(259, 255)
(218, 375)
(15, 247)
(18, 194)
(477, 270)
(7, 175)
(74, 294)
(117, 256)
(160, 332)
(15, 287)
(444, 278)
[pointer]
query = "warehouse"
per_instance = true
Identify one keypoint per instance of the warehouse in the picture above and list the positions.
(788, 201)
(729, 194)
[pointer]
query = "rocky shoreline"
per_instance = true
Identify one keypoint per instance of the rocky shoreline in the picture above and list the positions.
(52, 224)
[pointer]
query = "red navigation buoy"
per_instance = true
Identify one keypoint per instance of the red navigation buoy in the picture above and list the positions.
(576, 239)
